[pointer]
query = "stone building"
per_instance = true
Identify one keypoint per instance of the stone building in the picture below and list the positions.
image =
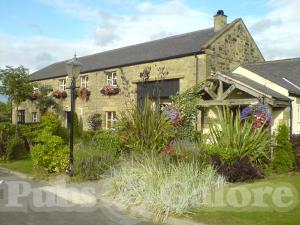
(173, 64)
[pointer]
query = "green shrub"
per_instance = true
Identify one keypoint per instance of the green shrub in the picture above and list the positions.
(50, 123)
(7, 131)
(96, 155)
(77, 126)
(186, 150)
(145, 128)
(15, 149)
(50, 154)
(64, 133)
(187, 102)
(284, 157)
(164, 187)
(236, 139)
(87, 136)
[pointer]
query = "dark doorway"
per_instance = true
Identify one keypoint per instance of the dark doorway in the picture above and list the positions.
(157, 89)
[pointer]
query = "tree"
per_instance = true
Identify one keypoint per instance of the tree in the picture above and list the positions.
(5, 111)
(45, 100)
(15, 83)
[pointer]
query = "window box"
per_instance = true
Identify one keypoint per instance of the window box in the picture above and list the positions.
(59, 94)
(34, 96)
(110, 90)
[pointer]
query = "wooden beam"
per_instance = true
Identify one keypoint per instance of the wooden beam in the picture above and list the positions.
(228, 102)
(211, 93)
(280, 103)
(220, 89)
(228, 91)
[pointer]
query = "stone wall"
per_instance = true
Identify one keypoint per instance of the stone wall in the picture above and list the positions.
(183, 68)
(232, 48)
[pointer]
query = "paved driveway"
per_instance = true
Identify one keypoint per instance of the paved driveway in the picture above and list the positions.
(28, 202)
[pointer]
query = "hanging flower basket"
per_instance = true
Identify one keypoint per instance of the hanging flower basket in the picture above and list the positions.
(84, 93)
(59, 94)
(110, 90)
(259, 114)
(34, 96)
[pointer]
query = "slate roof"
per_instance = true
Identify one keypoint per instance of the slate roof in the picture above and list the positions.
(276, 70)
(258, 86)
(171, 47)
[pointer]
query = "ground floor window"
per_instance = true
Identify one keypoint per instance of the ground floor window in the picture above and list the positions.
(21, 116)
(298, 119)
(34, 117)
(110, 120)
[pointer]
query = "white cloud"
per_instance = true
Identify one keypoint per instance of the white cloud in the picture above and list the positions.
(277, 33)
(39, 51)
(148, 22)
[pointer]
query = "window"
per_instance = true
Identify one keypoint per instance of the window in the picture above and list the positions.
(110, 120)
(84, 81)
(34, 117)
(35, 90)
(298, 119)
(62, 84)
(21, 116)
(112, 78)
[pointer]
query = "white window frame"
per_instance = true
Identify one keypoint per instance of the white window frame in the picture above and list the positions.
(62, 84)
(84, 81)
(110, 117)
(298, 118)
(34, 117)
(21, 114)
(111, 78)
(35, 90)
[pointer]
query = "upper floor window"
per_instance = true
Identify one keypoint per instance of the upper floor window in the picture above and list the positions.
(34, 117)
(110, 120)
(111, 78)
(62, 84)
(35, 90)
(84, 81)
(21, 116)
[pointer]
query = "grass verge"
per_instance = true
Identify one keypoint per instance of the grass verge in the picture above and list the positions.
(229, 215)
(21, 165)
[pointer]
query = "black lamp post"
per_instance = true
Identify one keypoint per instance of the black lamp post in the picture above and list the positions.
(73, 70)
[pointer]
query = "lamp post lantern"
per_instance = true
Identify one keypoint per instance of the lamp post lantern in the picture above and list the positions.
(73, 70)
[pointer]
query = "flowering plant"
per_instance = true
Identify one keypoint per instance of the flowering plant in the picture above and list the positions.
(260, 115)
(95, 121)
(84, 93)
(59, 94)
(174, 115)
(110, 90)
(34, 95)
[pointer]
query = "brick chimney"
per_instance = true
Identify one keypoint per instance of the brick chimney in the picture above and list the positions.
(220, 20)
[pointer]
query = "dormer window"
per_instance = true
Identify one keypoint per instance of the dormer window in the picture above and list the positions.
(111, 78)
(84, 81)
(62, 84)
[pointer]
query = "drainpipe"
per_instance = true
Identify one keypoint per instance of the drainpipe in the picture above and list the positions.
(197, 81)
(291, 117)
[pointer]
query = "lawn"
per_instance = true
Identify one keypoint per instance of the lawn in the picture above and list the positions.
(257, 216)
(22, 165)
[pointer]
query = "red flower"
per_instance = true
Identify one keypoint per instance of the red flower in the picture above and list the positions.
(110, 90)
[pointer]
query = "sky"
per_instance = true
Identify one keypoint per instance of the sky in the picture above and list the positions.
(36, 33)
